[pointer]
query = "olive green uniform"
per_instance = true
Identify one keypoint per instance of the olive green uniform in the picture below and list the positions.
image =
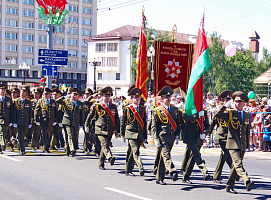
(164, 132)
(57, 136)
(104, 128)
(6, 109)
(131, 129)
(237, 142)
(35, 128)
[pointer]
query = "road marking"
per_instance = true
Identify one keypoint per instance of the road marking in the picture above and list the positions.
(126, 193)
(10, 158)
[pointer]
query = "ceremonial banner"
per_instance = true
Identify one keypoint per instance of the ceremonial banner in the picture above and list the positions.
(172, 65)
(201, 63)
(142, 61)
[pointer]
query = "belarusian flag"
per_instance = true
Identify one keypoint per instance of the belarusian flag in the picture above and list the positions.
(142, 61)
(201, 63)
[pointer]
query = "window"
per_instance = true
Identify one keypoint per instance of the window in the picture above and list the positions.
(84, 54)
(87, 1)
(42, 27)
(83, 65)
(83, 86)
(12, 23)
(83, 76)
(69, 85)
(86, 32)
(117, 76)
(11, 36)
(12, 0)
(26, 49)
(73, 42)
(100, 76)
(28, 61)
(28, 25)
(69, 75)
(73, 19)
(112, 61)
(11, 47)
(58, 40)
(13, 73)
(11, 60)
(6, 73)
(86, 21)
(74, 76)
(103, 61)
(59, 29)
(28, 13)
(60, 75)
(35, 74)
(72, 64)
(28, 37)
(75, 85)
(100, 47)
(42, 38)
(72, 53)
(12, 11)
(87, 10)
(73, 8)
(31, 2)
(112, 47)
(84, 43)
(73, 30)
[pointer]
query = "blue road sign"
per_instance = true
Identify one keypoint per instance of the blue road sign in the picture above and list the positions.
(49, 70)
(53, 53)
(52, 61)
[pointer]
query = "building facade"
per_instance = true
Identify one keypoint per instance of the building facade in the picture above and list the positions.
(23, 32)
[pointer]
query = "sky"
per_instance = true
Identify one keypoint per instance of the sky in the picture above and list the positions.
(234, 20)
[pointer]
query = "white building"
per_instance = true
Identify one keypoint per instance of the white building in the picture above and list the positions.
(112, 50)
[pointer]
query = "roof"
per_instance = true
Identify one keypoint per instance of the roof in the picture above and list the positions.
(264, 78)
(254, 36)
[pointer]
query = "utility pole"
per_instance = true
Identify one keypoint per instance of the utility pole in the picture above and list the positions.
(50, 45)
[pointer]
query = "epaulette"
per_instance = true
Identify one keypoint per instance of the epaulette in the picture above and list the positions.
(93, 100)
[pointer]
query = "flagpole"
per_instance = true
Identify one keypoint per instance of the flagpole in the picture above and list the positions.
(202, 128)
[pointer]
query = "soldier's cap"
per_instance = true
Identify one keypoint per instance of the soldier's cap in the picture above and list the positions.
(2, 86)
(38, 90)
(47, 90)
(8, 92)
(135, 92)
(76, 91)
(15, 90)
(165, 91)
(55, 91)
(240, 96)
(99, 90)
(25, 88)
(69, 90)
(107, 90)
(130, 88)
(225, 94)
(88, 91)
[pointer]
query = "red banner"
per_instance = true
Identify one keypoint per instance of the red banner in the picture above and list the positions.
(172, 65)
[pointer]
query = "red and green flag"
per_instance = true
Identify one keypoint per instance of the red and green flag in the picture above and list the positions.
(201, 63)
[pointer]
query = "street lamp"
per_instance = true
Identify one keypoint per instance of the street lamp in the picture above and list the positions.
(25, 68)
(94, 63)
(152, 52)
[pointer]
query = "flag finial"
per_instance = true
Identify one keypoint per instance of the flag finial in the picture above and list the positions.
(174, 31)
(143, 10)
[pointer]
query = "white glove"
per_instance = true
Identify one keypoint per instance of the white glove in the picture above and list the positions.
(29, 126)
(86, 129)
(146, 141)
(60, 125)
(68, 96)
(80, 127)
(55, 123)
(228, 104)
(208, 139)
(123, 139)
(156, 143)
(38, 123)
(10, 124)
(15, 125)
(202, 136)
(201, 113)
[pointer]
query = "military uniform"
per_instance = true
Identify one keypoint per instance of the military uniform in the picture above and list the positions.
(104, 125)
(237, 140)
(46, 116)
(22, 117)
(73, 119)
(163, 131)
(6, 110)
(135, 132)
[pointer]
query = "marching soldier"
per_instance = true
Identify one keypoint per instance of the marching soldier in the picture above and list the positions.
(73, 119)
(221, 139)
(6, 110)
(166, 129)
(134, 128)
(22, 116)
(35, 128)
(106, 118)
(237, 139)
(45, 115)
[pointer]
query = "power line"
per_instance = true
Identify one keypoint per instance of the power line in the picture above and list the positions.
(120, 6)
(110, 7)
(107, 2)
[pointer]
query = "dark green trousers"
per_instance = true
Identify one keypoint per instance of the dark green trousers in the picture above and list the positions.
(133, 155)
(3, 133)
(35, 135)
(186, 156)
(46, 136)
(156, 161)
(22, 130)
(70, 138)
(57, 137)
(105, 141)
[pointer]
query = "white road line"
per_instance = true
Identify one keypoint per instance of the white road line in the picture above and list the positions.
(10, 158)
(126, 193)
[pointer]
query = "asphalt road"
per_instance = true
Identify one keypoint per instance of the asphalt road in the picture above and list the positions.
(38, 175)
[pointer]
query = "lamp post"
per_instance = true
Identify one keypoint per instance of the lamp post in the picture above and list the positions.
(94, 63)
(152, 51)
(25, 68)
